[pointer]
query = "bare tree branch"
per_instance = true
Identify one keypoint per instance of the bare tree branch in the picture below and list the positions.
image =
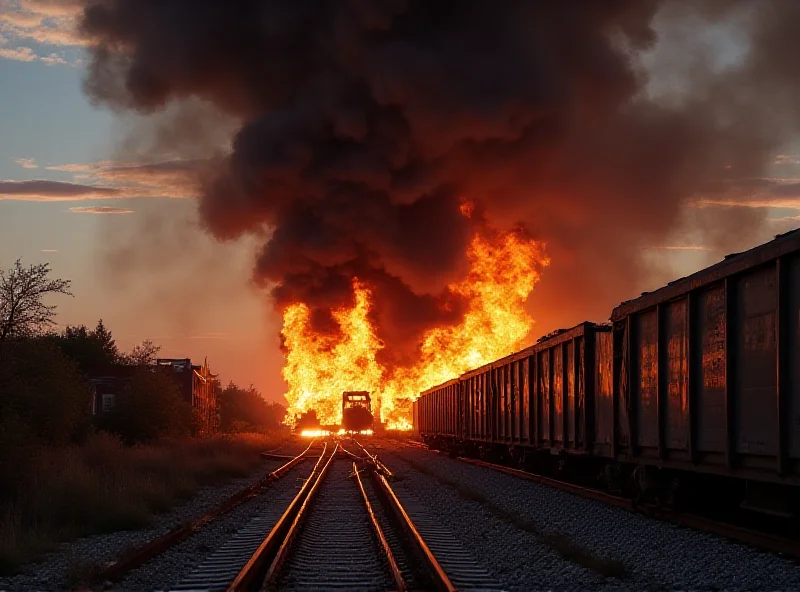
(22, 310)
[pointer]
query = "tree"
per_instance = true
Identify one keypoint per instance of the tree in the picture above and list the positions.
(91, 349)
(22, 311)
(149, 408)
(143, 354)
(245, 410)
(43, 390)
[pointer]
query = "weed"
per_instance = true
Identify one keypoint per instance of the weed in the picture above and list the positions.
(105, 486)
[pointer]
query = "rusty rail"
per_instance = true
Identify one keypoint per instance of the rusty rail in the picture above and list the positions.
(375, 461)
(439, 578)
(140, 555)
(396, 573)
(283, 551)
(747, 536)
(248, 575)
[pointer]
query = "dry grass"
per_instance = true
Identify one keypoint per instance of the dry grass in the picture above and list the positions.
(103, 486)
(560, 543)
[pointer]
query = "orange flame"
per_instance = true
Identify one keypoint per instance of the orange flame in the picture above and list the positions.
(504, 268)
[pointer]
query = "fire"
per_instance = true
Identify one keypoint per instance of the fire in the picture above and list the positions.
(320, 433)
(504, 268)
(319, 368)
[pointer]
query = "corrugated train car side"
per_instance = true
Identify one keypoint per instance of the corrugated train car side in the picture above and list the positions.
(700, 377)
(708, 377)
(438, 412)
(538, 399)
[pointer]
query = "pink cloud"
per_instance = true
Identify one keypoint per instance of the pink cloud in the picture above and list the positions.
(683, 248)
(26, 163)
(53, 191)
(100, 210)
(51, 22)
(19, 54)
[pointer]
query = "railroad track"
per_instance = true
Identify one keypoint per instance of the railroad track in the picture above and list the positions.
(344, 530)
(141, 554)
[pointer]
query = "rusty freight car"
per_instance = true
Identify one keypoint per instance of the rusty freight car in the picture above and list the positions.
(540, 399)
(708, 374)
(437, 413)
(700, 377)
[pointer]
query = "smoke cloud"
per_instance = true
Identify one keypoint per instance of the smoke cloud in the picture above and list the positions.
(364, 123)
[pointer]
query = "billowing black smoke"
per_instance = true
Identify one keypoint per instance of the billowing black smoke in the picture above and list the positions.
(364, 123)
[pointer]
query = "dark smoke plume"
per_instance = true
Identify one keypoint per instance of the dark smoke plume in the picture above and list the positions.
(365, 122)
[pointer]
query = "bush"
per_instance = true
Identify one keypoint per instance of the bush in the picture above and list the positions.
(149, 408)
(105, 486)
(42, 394)
(245, 410)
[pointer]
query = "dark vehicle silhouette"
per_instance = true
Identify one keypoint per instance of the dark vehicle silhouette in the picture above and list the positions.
(357, 411)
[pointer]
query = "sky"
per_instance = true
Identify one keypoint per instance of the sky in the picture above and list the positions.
(185, 292)
(74, 193)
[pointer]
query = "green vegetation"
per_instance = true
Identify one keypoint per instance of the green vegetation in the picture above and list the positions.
(65, 473)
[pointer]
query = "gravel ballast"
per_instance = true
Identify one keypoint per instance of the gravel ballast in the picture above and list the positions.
(534, 537)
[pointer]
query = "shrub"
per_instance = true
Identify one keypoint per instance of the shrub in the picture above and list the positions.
(105, 486)
(42, 394)
(245, 410)
(149, 408)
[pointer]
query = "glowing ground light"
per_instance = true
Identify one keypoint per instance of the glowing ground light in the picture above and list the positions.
(340, 432)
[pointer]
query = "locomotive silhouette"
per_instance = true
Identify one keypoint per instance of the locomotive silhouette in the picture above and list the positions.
(357, 411)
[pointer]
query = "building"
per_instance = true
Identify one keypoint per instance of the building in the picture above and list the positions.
(198, 386)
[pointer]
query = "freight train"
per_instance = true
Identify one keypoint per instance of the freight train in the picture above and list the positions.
(698, 381)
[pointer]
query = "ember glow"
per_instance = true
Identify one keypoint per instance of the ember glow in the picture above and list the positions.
(504, 267)
(320, 433)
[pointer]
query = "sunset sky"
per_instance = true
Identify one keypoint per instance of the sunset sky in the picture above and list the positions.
(124, 230)
(192, 296)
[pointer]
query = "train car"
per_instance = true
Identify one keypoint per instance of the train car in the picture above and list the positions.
(438, 413)
(538, 399)
(700, 378)
(708, 378)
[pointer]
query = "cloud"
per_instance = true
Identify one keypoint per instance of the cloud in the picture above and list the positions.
(53, 59)
(51, 22)
(100, 210)
(177, 179)
(69, 8)
(785, 219)
(49, 251)
(19, 54)
(53, 191)
(787, 159)
(26, 163)
(683, 248)
(106, 179)
(761, 192)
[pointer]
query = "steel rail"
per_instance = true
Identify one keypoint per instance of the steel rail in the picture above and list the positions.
(379, 466)
(440, 579)
(141, 554)
(750, 537)
(247, 575)
(283, 550)
(396, 573)
(355, 457)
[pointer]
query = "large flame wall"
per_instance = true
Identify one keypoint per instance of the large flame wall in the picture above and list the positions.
(504, 267)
